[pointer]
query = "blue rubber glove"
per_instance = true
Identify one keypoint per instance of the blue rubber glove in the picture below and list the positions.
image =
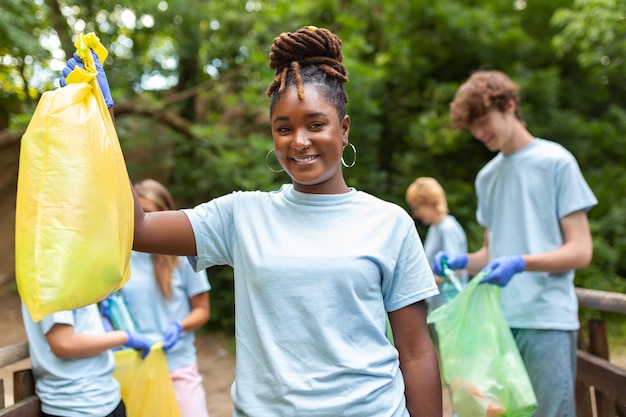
(172, 334)
(104, 308)
(457, 261)
(101, 77)
(138, 342)
(503, 269)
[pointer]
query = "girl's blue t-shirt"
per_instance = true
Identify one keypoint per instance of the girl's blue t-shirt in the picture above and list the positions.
(314, 278)
(152, 312)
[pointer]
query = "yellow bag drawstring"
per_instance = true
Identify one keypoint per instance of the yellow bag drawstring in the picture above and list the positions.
(84, 44)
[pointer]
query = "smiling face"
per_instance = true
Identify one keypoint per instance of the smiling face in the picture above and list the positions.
(309, 140)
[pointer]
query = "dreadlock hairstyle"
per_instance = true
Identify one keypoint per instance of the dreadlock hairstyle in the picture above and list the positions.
(483, 91)
(163, 264)
(309, 55)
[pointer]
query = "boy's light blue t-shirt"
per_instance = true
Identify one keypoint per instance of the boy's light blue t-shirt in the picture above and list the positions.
(314, 278)
(82, 387)
(152, 312)
(521, 199)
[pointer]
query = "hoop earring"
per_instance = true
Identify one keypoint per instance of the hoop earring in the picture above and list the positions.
(353, 158)
(267, 163)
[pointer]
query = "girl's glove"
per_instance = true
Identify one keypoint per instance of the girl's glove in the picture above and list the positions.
(172, 334)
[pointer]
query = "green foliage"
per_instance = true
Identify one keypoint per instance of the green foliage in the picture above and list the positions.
(222, 299)
(596, 29)
(192, 77)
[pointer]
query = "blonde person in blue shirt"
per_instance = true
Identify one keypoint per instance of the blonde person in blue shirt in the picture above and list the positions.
(317, 264)
(73, 365)
(427, 200)
(168, 300)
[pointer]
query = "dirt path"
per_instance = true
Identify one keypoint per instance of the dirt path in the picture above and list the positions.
(218, 370)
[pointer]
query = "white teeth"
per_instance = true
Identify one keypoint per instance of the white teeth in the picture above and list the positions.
(306, 159)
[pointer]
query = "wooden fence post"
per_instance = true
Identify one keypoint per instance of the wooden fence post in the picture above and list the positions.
(584, 406)
(23, 384)
(599, 346)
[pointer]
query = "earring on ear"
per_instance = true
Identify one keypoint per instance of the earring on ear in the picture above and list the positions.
(267, 163)
(353, 156)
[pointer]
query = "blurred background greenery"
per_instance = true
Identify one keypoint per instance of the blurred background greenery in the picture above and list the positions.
(189, 80)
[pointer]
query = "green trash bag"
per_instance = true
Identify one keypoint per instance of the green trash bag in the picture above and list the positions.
(480, 361)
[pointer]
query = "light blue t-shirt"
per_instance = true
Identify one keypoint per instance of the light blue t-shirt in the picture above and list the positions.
(521, 199)
(314, 277)
(82, 387)
(446, 236)
(152, 312)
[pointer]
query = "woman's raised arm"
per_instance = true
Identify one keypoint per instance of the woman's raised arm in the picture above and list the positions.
(167, 232)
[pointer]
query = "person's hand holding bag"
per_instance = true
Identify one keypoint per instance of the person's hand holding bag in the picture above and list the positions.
(457, 261)
(138, 342)
(75, 61)
(172, 334)
(503, 269)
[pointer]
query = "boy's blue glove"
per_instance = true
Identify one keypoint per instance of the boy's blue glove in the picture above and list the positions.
(138, 342)
(457, 261)
(503, 269)
(172, 333)
(101, 77)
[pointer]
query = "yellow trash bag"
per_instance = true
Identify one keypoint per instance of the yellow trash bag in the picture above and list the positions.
(74, 211)
(146, 385)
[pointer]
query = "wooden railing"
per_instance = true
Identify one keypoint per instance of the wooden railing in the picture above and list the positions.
(25, 402)
(600, 385)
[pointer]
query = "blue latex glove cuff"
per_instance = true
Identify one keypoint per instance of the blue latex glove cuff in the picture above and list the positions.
(104, 308)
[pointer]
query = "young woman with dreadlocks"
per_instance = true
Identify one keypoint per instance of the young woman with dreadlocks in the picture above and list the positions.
(318, 265)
